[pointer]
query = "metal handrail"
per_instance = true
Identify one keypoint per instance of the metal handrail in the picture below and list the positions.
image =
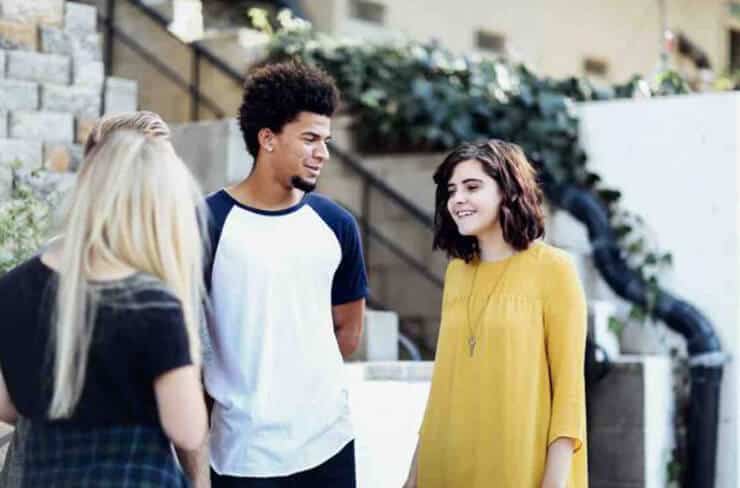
(378, 184)
(195, 45)
(407, 258)
(160, 66)
(371, 181)
(357, 167)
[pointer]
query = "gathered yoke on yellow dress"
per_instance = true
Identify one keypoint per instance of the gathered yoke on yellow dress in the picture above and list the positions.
(491, 416)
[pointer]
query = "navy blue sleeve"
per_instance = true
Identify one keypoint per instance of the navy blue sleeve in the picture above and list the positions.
(219, 204)
(350, 278)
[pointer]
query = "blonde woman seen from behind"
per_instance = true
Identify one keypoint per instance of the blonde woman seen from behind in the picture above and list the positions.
(110, 311)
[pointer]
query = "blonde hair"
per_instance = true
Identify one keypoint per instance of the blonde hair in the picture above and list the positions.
(144, 122)
(137, 205)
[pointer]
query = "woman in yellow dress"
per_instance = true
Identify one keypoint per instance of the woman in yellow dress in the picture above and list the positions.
(506, 407)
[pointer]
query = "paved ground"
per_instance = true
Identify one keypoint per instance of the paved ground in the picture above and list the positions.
(386, 415)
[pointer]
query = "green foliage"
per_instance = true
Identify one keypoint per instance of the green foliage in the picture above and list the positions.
(25, 220)
(410, 96)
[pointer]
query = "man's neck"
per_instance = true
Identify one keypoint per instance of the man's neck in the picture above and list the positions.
(261, 191)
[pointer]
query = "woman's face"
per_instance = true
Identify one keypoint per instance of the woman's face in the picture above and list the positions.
(474, 199)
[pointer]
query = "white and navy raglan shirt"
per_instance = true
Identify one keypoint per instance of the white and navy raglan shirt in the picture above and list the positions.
(275, 371)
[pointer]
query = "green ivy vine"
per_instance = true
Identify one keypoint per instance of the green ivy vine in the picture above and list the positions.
(408, 96)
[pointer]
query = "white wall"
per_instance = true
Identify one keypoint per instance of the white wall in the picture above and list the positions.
(675, 161)
(554, 36)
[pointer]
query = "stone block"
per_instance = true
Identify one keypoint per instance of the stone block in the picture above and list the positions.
(88, 73)
(47, 184)
(83, 128)
(619, 399)
(61, 157)
(41, 67)
(78, 100)
(19, 95)
(621, 455)
(80, 18)
(120, 95)
(42, 126)
(379, 341)
(6, 186)
(49, 12)
(3, 124)
(28, 153)
(17, 35)
(85, 46)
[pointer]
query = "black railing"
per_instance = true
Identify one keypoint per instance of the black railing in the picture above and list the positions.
(198, 53)
(370, 182)
(373, 233)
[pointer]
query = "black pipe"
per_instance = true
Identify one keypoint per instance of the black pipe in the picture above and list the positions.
(705, 354)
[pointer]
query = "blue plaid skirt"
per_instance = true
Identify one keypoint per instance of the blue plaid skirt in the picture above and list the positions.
(112, 457)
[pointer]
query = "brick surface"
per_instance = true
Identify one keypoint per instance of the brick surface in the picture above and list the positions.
(120, 95)
(27, 152)
(17, 35)
(46, 183)
(18, 95)
(621, 454)
(88, 73)
(80, 19)
(42, 126)
(78, 100)
(62, 157)
(41, 67)
(85, 46)
(49, 12)
(6, 185)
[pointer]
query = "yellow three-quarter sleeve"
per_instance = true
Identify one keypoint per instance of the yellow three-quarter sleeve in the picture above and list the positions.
(565, 336)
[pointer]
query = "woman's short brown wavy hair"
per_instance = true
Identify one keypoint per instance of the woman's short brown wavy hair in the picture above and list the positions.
(521, 215)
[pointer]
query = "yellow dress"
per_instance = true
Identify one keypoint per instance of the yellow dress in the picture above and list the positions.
(491, 416)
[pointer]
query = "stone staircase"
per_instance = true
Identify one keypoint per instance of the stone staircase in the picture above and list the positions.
(52, 85)
(162, 29)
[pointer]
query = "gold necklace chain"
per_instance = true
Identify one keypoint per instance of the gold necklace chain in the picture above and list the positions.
(472, 334)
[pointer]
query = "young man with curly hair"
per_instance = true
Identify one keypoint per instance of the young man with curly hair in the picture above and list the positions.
(287, 285)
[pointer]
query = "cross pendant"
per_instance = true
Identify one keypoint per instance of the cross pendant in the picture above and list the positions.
(471, 344)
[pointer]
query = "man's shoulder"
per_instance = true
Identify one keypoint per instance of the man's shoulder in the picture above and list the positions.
(329, 210)
(217, 198)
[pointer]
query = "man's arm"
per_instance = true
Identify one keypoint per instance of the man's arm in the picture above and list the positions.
(348, 319)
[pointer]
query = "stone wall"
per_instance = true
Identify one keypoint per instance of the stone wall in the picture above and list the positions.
(52, 88)
(52, 84)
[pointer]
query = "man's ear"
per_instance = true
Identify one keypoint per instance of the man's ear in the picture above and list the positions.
(266, 138)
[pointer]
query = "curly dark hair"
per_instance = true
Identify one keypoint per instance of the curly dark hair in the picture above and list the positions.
(520, 214)
(274, 95)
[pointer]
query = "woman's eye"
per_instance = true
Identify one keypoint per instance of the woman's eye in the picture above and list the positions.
(473, 187)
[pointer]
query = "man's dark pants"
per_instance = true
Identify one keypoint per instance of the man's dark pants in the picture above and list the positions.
(337, 472)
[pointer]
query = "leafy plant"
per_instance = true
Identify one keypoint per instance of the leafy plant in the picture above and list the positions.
(25, 221)
(410, 96)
